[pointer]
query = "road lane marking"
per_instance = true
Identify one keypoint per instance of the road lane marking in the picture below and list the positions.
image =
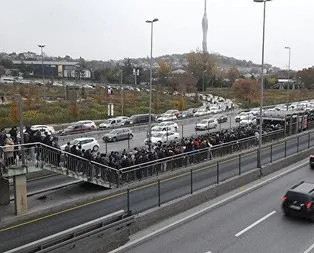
(255, 223)
(309, 249)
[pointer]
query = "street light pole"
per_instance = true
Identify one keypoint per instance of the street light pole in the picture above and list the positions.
(150, 80)
(42, 68)
(288, 85)
(260, 141)
(204, 80)
(121, 83)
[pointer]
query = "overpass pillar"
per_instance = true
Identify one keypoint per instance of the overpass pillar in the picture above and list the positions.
(20, 194)
(4, 192)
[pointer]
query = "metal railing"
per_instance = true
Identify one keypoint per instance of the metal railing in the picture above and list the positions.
(60, 241)
(43, 156)
(175, 162)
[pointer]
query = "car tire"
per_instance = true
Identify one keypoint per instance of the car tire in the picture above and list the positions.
(130, 136)
(95, 148)
(114, 139)
(286, 213)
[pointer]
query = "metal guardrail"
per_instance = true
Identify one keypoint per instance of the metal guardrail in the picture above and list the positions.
(20, 159)
(75, 234)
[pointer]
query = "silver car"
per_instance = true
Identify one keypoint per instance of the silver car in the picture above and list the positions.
(118, 134)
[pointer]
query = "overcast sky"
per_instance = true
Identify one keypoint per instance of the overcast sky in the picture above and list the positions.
(116, 29)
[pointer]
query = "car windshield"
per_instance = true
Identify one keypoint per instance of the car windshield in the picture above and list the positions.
(106, 121)
(204, 121)
(74, 142)
(157, 134)
(133, 117)
(158, 128)
(115, 131)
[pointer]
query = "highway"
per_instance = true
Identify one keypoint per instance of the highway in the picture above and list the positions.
(141, 199)
(251, 223)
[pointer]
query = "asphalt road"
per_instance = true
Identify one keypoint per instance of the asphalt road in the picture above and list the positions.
(140, 199)
(186, 129)
(251, 223)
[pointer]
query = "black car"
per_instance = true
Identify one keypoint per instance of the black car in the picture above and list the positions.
(139, 119)
(299, 200)
(312, 161)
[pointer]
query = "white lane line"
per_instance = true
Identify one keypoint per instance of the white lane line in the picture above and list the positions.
(309, 249)
(255, 223)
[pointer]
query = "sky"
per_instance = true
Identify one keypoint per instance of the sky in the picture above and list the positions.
(116, 29)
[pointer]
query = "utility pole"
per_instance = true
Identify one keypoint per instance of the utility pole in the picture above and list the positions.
(42, 69)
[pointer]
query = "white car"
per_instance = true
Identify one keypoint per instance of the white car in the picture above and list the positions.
(215, 109)
(161, 137)
(86, 143)
(201, 112)
(168, 124)
(173, 112)
(164, 129)
(88, 123)
(248, 120)
(242, 115)
(166, 117)
(206, 124)
(43, 128)
(113, 122)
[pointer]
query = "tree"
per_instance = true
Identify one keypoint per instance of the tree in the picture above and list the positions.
(247, 91)
(198, 62)
(307, 77)
(164, 71)
(2, 70)
(183, 82)
(6, 63)
(233, 74)
(201, 64)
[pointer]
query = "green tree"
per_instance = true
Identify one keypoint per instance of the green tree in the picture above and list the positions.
(6, 63)
(164, 71)
(307, 77)
(201, 64)
(2, 70)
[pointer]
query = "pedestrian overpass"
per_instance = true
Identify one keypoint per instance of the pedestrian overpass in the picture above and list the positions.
(19, 160)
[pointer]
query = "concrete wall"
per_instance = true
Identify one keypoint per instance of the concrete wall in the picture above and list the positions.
(4, 192)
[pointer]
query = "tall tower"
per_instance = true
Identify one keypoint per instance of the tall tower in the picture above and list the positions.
(205, 28)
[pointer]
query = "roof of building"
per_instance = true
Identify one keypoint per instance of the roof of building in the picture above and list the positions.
(46, 62)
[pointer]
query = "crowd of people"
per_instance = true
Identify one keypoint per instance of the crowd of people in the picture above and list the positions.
(206, 143)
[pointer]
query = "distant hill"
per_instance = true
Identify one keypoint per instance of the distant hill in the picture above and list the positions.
(178, 61)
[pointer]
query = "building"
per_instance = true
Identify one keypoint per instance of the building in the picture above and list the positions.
(52, 69)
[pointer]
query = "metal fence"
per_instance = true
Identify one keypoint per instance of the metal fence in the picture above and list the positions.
(41, 156)
(205, 175)
(156, 167)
